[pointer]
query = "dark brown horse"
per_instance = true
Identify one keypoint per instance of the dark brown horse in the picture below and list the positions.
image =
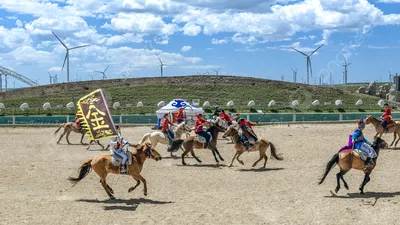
(102, 165)
(191, 143)
(348, 160)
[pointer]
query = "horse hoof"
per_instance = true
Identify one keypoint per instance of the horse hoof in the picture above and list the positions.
(145, 194)
(336, 190)
(112, 197)
(362, 192)
(347, 187)
(130, 190)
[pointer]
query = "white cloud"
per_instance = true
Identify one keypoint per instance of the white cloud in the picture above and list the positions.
(55, 69)
(191, 29)
(19, 23)
(215, 41)
(125, 38)
(186, 48)
(389, 1)
(13, 38)
(295, 45)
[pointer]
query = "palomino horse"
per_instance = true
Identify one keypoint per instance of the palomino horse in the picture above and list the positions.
(71, 127)
(392, 128)
(261, 146)
(158, 137)
(192, 142)
(102, 165)
(348, 160)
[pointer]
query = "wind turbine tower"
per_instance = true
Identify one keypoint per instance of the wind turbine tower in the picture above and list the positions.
(309, 68)
(217, 71)
(67, 54)
(345, 70)
(294, 75)
(103, 73)
(161, 65)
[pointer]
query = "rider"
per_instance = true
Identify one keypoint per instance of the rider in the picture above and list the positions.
(247, 132)
(165, 129)
(386, 117)
(180, 116)
(78, 121)
(199, 129)
(360, 142)
(236, 117)
(116, 145)
(225, 117)
(217, 111)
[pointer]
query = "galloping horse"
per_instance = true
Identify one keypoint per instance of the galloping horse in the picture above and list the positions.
(192, 142)
(392, 128)
(158, 137)
(261, 146)
(348, 160)
(71, 127)
(102, 165)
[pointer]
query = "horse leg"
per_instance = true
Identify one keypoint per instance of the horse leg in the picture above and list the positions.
(110, 189)
(139, 177)
(365, 181)
(344, 182)
(183, 157)
(134, 187)
(394, 139)
(83, 135)
(213, 152)
(102, 146)
(62, 135)
(338, 178)
(261, 157)
(67, 137)
(233, 159)
(265, 160)
(106, 187)
(237, 158)
(194, 156)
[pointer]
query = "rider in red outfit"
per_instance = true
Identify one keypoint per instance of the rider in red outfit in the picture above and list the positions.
(247, 132)
(180, 116)
(199, 129)
(225, 117)
(386, 117)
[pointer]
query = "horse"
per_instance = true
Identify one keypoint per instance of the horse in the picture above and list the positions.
(192, 142)
(348, 160)
(102, 166)
(261, 146)
(71, 127)
(392, 128)
(159, 137)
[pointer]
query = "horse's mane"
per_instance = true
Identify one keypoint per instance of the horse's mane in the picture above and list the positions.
(141, 147)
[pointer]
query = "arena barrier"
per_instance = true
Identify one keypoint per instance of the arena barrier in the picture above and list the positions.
(269, 118)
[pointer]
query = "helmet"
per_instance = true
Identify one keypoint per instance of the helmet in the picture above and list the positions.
(361, 123)
(166, 114)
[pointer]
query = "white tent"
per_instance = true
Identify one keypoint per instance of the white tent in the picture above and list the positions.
(173, 107)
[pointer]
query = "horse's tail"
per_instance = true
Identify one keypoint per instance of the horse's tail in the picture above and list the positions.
(329, 166)
(59, 127)
(145, 137)
(83, 171)
(273, 152)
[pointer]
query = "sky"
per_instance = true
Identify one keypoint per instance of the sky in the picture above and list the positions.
(236, 37)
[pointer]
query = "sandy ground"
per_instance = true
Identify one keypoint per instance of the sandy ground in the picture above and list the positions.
(34, 188)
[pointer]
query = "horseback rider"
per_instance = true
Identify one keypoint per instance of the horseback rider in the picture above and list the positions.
(180, 116)
(167, 131)
(217, 111)
(360, 142)
(116, 145)
(199, 129)
(78, 118)
(225, 117)
(386, 117)
(236, 117)
(248, 136)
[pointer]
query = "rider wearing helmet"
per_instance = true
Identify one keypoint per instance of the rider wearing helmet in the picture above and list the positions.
(360, 142)
(386, 117)
(166, 130)
(248, 136)
(116, 145)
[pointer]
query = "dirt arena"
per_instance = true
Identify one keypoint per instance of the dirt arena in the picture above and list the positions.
(34, 187)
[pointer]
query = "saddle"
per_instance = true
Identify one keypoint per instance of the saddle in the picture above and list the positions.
(116, 160)
(363, 155)
(202, 139)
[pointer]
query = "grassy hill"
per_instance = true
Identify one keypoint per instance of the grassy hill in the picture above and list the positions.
(218, 90)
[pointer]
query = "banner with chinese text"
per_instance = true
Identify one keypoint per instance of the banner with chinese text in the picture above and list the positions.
(95, 116)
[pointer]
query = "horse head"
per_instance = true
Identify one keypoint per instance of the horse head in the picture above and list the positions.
(182, 126)
(148, 151)
(368, 119)
(229, 132)
(378, 144)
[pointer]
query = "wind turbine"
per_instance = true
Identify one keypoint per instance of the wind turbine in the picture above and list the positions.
(161, 64)
(309, 68)
(67, 54)
(390, 76)
(92, 76)
(104, 72)
(51, 78)
(294, 75)
(345, 70)
(217, 71)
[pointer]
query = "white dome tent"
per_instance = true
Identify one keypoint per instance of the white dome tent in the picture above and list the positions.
(251, 103)
(230, 104)
(359, 102)
(71, 105)
(2, 106)
(139, 104)
(24, 106)
(381, 103)
(161, 104)
(47, 105)
(315, 103)
(116, 105)
(338, 102)
(206, 104)
(272, 103)
(295, 103)
(174, 106)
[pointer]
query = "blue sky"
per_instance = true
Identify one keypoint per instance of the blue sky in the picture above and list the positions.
(243, 37)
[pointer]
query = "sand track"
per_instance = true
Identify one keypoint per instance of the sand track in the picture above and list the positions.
(34, 188)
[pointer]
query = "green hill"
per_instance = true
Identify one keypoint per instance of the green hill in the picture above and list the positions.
(218, 90)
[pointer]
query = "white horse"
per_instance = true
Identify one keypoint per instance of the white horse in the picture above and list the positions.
(159, 137)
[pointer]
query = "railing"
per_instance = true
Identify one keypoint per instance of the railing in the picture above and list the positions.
(269, 118)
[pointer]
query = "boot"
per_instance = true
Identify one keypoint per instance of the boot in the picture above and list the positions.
(368, 162)
(123, 169)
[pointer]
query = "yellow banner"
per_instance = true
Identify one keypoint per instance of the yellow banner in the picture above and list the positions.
(95, 116)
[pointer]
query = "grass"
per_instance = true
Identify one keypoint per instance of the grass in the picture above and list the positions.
(217, 94)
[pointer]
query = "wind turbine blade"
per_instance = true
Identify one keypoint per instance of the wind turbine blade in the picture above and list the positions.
(98, 71)
(316, 49)
(82, 46)
(299, 52)
(345, 61)
(309, 63)
(60, 40)
(349, 64)
(66, 55)
(159, 58)
(106, 68)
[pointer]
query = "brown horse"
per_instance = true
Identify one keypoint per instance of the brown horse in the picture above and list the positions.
(348, 160)
(261, 146)
(71, 127)
(191, 143)
(102, 165)
(392, 128)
